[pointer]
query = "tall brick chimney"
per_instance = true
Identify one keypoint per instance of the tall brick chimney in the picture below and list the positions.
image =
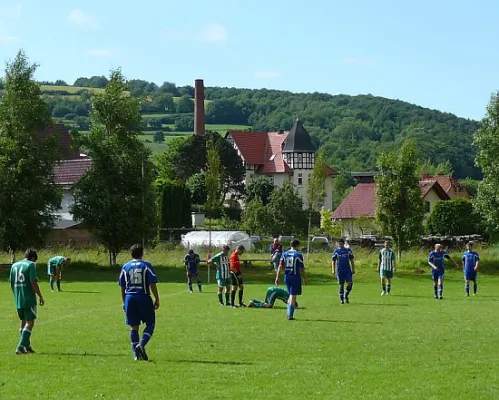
(199, 127)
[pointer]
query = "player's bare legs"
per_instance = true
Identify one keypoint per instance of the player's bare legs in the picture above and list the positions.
(383, 286)
(291, 305)
(51, 281)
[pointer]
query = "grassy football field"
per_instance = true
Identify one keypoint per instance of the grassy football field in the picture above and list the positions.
(405, 346)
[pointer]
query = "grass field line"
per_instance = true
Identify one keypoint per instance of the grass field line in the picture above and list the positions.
(91, 310)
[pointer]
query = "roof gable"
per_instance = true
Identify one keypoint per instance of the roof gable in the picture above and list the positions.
(428, 185)
(360, 201)
(298, 140)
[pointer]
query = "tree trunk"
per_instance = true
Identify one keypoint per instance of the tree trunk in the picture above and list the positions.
(113, 254)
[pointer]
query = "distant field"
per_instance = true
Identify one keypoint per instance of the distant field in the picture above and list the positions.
(69, 89)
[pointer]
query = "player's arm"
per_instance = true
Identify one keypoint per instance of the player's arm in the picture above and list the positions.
(394, 262)
(352, 264)
(477, 263)
(333, 264)
(36, 288)
(430, 263)
(123, 289)
(154, 290)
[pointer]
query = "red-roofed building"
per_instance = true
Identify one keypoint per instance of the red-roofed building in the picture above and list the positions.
(451, 186)
(357, 212)
(283, 156)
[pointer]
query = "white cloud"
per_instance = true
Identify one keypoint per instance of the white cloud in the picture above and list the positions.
(267, 74)
(100, 52)
(359, 62)
(8, 39)
(83, 19)
(214, 33)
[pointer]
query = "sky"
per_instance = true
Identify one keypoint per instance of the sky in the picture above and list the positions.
(440, 54)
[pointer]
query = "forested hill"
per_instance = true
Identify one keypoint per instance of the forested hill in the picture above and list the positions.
(353, 130)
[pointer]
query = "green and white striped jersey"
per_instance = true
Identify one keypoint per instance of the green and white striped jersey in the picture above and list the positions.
(387, 259)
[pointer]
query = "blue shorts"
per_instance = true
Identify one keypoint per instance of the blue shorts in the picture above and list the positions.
(293, 284)
(344, 276)
(470, 275)
(139, 308)
(437, 275)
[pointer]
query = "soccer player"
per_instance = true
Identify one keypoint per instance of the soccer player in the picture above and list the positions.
(191, 261)
(471, 259)
(276, 252)
(54, 269)
(236, 277)
(221, 262)
(436, 262)
(137, 280)
(294, 270)
(344, 269)
(386, 267)
(24, 284)
(273, 293)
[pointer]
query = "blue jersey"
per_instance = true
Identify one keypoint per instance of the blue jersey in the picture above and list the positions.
(293, 261)
(470, 259)
(136, 276)
(192, 262)
(342, 258)
(437, 259)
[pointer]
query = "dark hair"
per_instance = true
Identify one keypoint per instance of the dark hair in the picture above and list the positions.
(137, 251)
(241, 247)
(341, 240)
(295, 243)
(191, 252)
(225, 248)
(31, 255)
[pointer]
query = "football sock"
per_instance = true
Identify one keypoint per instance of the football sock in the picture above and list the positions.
(241, 296)
(388, 288)
(220, 298)
(349, 288)
(341, 291)
(435, 289)
(291, 311)
(25, 338)
(383, 286)
(232, 297)
(200, 286)
(58, 283)
(440, 290)
(51, 284)
(146, 335)
(227, 297)
(467, 288)
(134, 339)
(190, 287)
(475, 287)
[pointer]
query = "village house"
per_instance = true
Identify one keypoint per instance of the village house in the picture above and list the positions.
(283, 156)
(357, 212)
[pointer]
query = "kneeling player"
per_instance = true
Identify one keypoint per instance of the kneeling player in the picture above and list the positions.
(137, 280)
(273, 293)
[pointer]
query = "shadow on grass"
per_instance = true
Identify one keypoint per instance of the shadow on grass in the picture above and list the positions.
(340, 321)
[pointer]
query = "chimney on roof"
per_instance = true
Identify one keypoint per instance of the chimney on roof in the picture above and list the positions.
(199, 122)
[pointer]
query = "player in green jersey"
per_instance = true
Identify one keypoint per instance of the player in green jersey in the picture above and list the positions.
(221, 262)
(386, 267)
(54, 270)
(273, 293)
(24, 284)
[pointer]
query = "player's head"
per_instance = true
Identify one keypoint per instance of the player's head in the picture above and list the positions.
(276, 240)
(295, 244)
(240, 249)
(469, 246)
(137, 251)
(67, 260)
(225, 249)
(387, 244)
(31, 255)
(251, 304)
(190, 252)
(438, 247)
(341, 243)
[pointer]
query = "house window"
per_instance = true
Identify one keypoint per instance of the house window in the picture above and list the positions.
(299, 160)
(427, 207)
(300, 180)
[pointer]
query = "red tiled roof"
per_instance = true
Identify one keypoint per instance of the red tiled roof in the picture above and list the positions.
(330, 171)
(68, 172)
(251, 145)
(360, 201)
(64, 140)
(273, 160)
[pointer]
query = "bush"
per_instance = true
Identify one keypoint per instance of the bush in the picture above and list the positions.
(453, 217)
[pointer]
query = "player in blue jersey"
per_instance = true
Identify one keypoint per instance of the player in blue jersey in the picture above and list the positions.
(471, 259)
(137, 280)
(343, 268)
(294, 271)
(436, 262)
(191, 261)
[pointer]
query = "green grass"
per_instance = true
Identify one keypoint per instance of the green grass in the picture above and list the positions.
(69, 89)
(406, 346)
